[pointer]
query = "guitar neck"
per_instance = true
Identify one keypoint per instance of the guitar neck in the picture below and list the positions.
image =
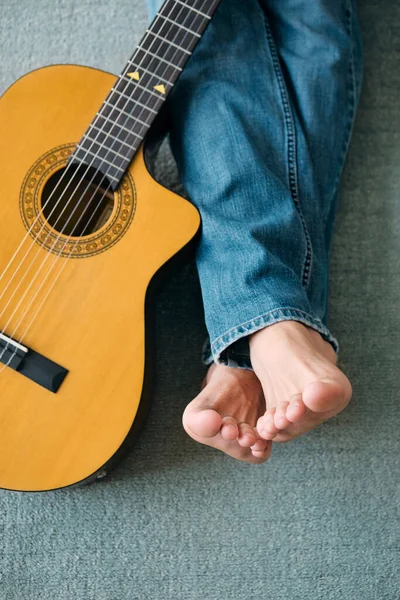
(126, 114)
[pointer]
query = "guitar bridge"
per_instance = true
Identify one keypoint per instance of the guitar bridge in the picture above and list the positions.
(31, 364)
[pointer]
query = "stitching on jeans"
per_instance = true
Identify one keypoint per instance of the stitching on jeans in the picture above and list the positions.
(352, 101)
(218, 345)
(290, 309)
(291, 150)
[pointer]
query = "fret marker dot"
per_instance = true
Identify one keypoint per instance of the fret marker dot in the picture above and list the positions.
(160, 88)
(134, 75)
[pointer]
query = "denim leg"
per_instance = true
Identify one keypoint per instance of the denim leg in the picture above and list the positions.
(318, 46)
(235, 136)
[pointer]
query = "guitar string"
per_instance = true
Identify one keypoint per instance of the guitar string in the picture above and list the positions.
(94, 141)
(54, 282)
(100, 131)
(88, 186)
(106, 190)
(78, 241)
(104, 159)
(67, 241)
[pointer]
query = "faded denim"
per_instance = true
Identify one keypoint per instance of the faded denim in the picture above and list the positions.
(261, 122)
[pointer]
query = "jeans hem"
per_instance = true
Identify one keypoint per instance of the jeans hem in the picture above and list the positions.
(219, 352)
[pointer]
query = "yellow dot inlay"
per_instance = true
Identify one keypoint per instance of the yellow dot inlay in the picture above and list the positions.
(160, 88)
(134, 75)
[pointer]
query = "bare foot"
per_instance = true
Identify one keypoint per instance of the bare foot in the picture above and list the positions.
(302, 385)
(225, 413)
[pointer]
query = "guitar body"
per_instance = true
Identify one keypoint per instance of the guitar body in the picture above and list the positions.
(91, 320)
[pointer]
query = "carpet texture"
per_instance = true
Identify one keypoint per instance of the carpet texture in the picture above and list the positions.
(181, 521)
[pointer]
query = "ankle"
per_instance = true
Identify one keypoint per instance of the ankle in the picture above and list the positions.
(286, 335)
(288, 328)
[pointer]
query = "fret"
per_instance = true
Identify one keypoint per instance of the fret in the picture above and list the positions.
(173, 55)
(101, 145)
(176, 36)
(136, 102)
(193, 9)
(118, 175)
(101, 159)
(122, 122)
(116, 179)
(146, 65)
(123, 112)
(137, 85)
(103, 154)
(117, 125)
(179, 25)
(109, 134)
(103, 137)
(207, 6)
(183, 14)
(139, 68)
(111, 129)
(115, 128)
(160, 58)
(169, 42)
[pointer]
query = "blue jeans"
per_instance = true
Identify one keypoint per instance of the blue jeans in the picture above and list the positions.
(261, 122)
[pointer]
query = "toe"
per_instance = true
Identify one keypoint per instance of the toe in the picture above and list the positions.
(260, 445)
(261, 448)
(229, 429)
(262, 453)
(296, 409)
(247, 436)
(201, 421)
(325, 396)
(266, 427)
(281, 421)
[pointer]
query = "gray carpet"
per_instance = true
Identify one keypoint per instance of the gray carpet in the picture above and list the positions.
(181, 521)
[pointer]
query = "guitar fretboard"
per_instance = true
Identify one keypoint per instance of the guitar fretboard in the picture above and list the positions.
(126, 114)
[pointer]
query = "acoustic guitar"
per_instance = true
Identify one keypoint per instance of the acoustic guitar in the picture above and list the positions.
(84, 231)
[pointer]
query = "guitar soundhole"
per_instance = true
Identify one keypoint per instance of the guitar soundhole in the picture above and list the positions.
(58, 197)
(77, 203)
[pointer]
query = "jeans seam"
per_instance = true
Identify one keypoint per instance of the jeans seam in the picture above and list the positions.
(291, 153)
(352, 104)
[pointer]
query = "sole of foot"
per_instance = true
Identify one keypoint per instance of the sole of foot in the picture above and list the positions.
(302, 385)
(225, 413)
